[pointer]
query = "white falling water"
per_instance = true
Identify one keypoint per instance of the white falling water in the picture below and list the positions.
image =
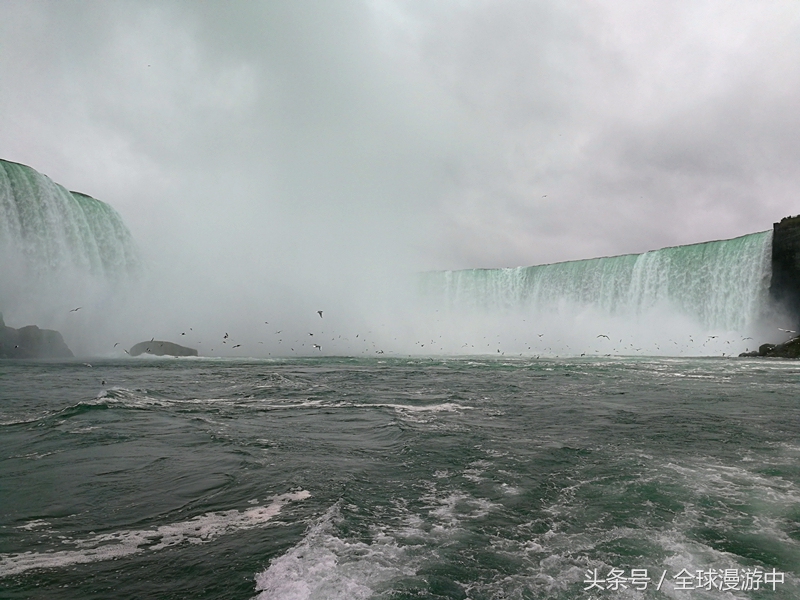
(49, 229)
(67, 261)
(720, 286)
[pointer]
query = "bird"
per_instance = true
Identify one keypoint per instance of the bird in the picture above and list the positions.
(225, 337)
(117, 344)
(787, 330)
(319, 312)
(237, 345)
(317, 346)
(76, 309)
(603, 335)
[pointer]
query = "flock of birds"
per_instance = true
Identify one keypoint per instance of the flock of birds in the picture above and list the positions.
(283, 345)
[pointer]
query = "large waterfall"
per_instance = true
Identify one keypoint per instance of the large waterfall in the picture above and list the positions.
(50, 230)
(720, 286)
(67, 261)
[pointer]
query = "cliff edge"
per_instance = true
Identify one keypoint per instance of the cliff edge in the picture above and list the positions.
(31, 342)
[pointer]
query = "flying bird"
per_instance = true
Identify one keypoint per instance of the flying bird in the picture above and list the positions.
(603, 335)
(76, 309)
(319, 312)
(117, 344)
(237, 345)
(317, 346)
(786, 330)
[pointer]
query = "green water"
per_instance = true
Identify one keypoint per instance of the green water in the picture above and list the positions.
(722, 284)
(46, 229)
(398, 478)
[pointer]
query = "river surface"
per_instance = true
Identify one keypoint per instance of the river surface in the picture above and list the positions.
(338, 478)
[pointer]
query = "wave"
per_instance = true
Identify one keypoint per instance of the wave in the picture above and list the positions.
(107, 546)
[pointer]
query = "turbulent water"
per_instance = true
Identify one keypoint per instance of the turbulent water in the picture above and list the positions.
(721, 285)
(401, 478)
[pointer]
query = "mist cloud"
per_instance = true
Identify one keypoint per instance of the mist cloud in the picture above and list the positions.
(287, 157)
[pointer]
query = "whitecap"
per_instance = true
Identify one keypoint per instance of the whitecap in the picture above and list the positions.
(107, 546)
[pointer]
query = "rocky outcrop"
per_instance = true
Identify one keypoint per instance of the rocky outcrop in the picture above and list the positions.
(790, 349)
(159, 348)
(31, 342)
(785, 286)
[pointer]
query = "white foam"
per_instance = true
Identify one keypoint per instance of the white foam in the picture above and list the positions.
(106, 546)
(325, 567)
(33, 524)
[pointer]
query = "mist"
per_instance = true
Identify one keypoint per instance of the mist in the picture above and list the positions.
(276, 159)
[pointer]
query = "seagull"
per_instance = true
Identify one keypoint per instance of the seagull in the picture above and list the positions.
(225, 337)
(76, 309)
(603, 335)
(317, 346)
(786, 330)
(237, 345)
(319, 312)
(117, 344)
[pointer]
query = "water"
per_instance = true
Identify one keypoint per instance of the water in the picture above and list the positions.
(399, 478)
(721, 285)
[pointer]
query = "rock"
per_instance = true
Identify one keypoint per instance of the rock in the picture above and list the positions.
(785, 282)
(160, 348)
(31, 342)
(790, 349)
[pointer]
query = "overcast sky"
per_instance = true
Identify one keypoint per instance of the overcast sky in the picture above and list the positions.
(414, 135)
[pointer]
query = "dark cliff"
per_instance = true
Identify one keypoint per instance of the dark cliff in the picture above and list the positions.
(31, 342)
(785, 286)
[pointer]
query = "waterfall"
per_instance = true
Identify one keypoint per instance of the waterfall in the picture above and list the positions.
(59, 251)
(50, 230)
(720, 285)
